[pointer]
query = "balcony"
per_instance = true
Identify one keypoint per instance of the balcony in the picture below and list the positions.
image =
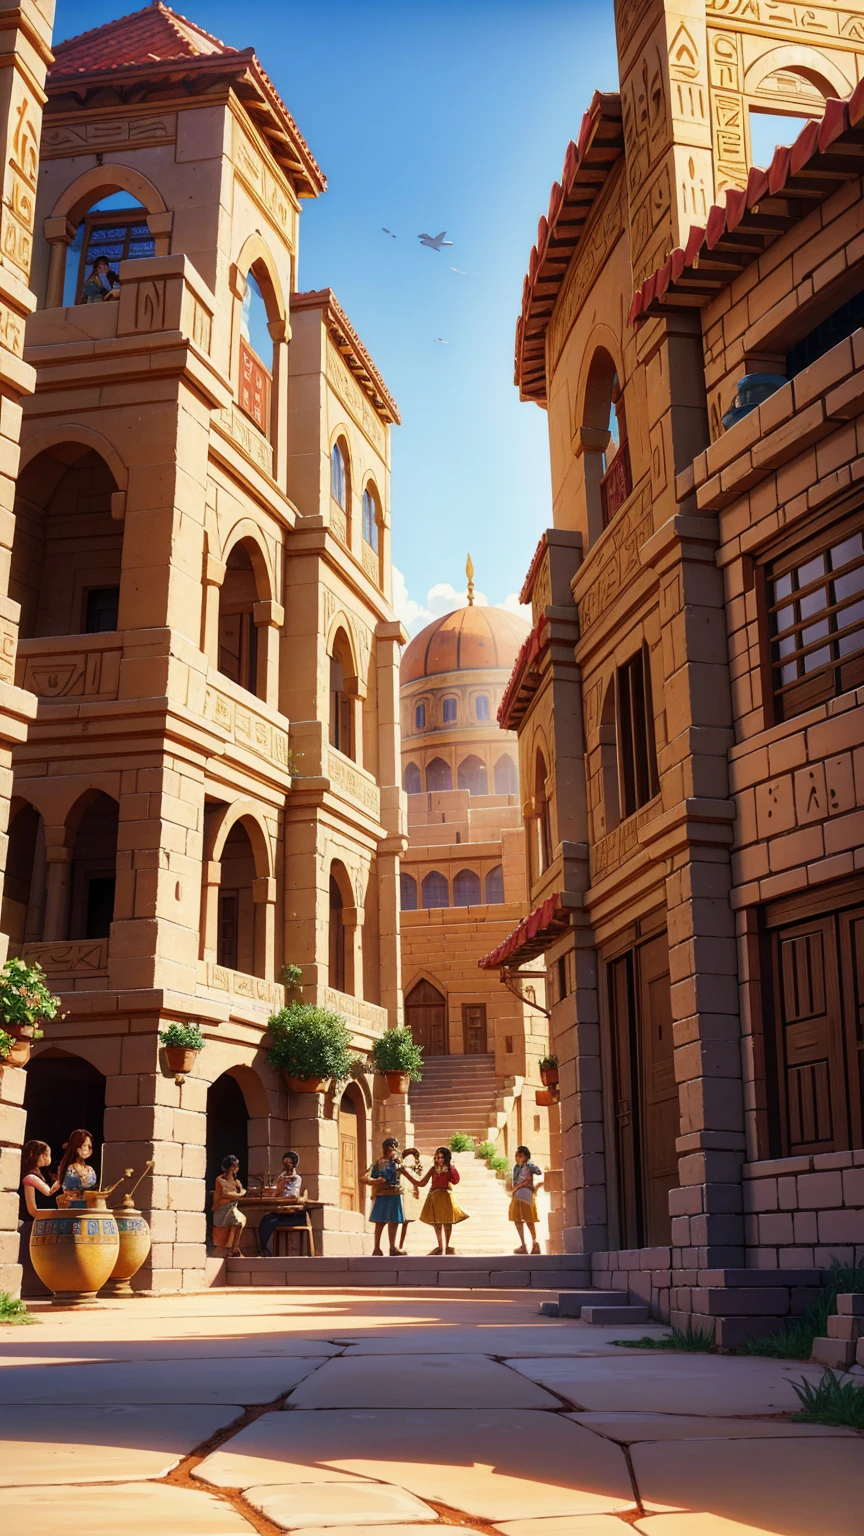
(249, 994)
(76, 965)
(352, 783)
(366, 1021)
(248, 723)
(61, 667)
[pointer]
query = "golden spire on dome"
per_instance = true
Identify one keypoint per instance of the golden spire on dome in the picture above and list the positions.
(469, 572)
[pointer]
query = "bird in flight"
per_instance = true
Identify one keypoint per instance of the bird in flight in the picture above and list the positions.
(460, 270)
(442, 341)
(434, 242)
(387, 231)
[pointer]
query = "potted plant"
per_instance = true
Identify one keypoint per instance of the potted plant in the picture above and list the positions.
(398, 1058)
(311, 1045)
(25, 1000)
(549, 1071)
(182, 1043)
(291, 977)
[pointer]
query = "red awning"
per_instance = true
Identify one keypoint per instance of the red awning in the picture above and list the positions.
(534, 934)
(523, 678)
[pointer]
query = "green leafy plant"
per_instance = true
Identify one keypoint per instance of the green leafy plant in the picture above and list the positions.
(309, 1041)
(396, 1051)
(291, 976)
(6, 1044)
(549, 1063)
(13, 1311)
(460, 1141)
(187, 1037)
(694, 1342)
(498, 1164)
(831, 1402)
(25, 997)
(485, 1149)
(795, 1340)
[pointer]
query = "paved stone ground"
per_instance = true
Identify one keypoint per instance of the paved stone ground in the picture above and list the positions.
(393, 1414)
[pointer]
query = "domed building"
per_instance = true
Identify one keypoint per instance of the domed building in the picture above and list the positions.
(463, 887)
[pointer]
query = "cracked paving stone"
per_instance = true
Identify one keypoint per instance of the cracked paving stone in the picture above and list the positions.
(628, 1428)
(674, 1383)
(250, 1381)
(355, 1503)
(493, 1464)
(419, 1381)
(135, 1509)
(44, 1445)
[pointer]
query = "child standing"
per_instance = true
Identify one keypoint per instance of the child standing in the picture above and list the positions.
(385, 1177)
(416, 1169)
(525, 1181)
(440, 1209)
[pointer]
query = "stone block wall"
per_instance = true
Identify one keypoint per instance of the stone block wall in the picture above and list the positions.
(12, 1084)
(805, 1210)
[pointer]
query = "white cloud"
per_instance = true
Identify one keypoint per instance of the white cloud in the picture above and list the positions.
(440, 599)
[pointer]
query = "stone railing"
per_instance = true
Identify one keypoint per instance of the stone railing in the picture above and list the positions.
(70, 667)
(364, 1018)
(269, 995)
(259, 730)
(75, 965)
(353, 783)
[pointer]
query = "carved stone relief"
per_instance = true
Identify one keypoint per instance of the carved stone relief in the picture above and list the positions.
(72, 138)
(352, 396)
(620, 557)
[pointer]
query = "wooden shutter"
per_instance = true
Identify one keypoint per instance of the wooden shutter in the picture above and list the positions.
(852, 952)
(811, 1088)
(620, 976)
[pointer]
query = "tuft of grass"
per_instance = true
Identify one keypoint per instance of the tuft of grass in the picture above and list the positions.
(13, 1311)
(460, 1141)
(795, 1340)
(694, 1342)
(485, 1149)
(831, 1402)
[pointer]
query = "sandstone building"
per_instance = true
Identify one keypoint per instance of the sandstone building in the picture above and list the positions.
(688, 703)
(211, 786)
(463, 887)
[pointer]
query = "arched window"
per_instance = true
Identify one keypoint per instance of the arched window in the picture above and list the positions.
(407, 892)
(339, 474)
(543, 822)
(471, 775)
(238, 912)
(256, 356)
(337, 937)
(449, 711)
(495, 886)
(370, 518)
(238, 632)
(506, 777)
(114, 228)
(608, 481)
(67, 550)
(412, 781)
(341, 702)
(436, 892)
(439, 775)
(467, 889)
(24, 884)
(94, 870)
(419, 717)
(481, 707)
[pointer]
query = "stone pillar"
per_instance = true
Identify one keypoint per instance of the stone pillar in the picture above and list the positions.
(352, 923)
(314, 1123)
(269, 618)
(264, 898)
(390, 950)
(214, 575)
(12, 1119)
(58, 860)
(59, 233)
(212, 880)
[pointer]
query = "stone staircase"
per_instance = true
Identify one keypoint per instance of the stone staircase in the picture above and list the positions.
(486, 1201)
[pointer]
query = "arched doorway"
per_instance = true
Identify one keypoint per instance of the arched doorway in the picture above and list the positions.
(24, 886)
(238, 632)
(67, 552)
(227, 1131)
(352, 1140)
(64, 1094)
(93, 872)
(426, 1017)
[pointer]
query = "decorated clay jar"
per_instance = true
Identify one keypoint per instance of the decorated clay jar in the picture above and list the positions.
(134, 1236)
(74, 1251)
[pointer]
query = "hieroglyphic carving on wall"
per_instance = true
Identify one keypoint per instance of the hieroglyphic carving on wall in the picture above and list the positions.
(651, 224)
(687, 75)
(269, 191)
(252, 989)
(628, 14)
(541, 596)
(370, 562)
(22, 169)
(8, 641)
(338, 522)
(362, 646)
(370, 1018)
(616, 846)
(620, 557)
(645, 115)
(329, 604)
(783, 16)
(247, 437)
(11, 330)
(352, 396)
(202, 326)
(593, 251)
(81, 674)
(83, 955)
(73, 138)
(247, 728)
(353, 784)
(150, 305)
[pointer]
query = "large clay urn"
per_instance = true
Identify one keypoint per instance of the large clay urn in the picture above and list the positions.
(74, 1251)
(303, 1084)
(134, 1235)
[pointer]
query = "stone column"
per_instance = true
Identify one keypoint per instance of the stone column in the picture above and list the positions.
(390, 951)
(58, 860)
(269, 618)
(12, 1119)
(59, 233)
(264, 898)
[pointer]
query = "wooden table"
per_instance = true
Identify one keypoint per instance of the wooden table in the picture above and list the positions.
(256, 1206)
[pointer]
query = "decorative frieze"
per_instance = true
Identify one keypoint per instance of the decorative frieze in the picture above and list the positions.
(107, 133)
(247, 728)
(253, 989)
(344, 383)
(618, 559)
(79, 674)
(350, 781)
(247, 438)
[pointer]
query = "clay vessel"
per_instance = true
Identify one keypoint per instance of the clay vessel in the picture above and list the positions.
(134, 1235)
(303, 1084)
(20, 1052)
(398, 1082)
(74, 1251)
(180, 1058)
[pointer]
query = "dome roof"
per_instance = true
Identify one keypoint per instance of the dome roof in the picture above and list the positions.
(462, 640)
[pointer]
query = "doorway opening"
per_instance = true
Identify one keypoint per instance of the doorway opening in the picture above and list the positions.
(426, 1017)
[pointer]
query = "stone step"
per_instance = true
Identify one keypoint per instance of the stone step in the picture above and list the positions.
(570, 1303)
(613, 1315)
(459, 1272)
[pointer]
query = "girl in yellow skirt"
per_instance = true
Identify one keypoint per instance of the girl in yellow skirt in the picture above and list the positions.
(439, 1208)
(526, 1180)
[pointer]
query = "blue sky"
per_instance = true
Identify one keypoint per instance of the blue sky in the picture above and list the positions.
(427, 116)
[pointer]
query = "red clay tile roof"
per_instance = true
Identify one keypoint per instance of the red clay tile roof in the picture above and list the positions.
(586, 165)
(348, 343)
(154, 33)
(524, 677)
(826, 153)
(157, 41)
(534, 934)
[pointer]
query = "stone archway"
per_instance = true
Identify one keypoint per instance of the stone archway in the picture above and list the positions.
(64, 1093)
(227, 1131)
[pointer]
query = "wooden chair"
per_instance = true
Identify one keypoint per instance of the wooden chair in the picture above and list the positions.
(282, 1249)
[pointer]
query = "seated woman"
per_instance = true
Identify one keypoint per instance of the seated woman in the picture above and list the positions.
(287, 1187)
(103, 283)
(75, 1174)
(228, 1222)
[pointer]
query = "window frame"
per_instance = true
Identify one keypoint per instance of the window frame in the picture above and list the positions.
(638, 776)
(370, 506)
(107, 218)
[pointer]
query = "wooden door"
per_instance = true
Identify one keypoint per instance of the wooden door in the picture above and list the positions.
(808, 1037)
(349, 1189)
(622, 1014)
(852, 950)
(474, 1034)
(658, 1089)
(426, 1017)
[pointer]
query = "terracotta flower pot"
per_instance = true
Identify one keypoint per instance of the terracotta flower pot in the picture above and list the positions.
(398, 1082)
(180, 1058)
(134, 1235)
(74, 1251)
(544, 1097)
(548, 1076)
(304, 1084)
(19, 1031)
(19, 1054)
